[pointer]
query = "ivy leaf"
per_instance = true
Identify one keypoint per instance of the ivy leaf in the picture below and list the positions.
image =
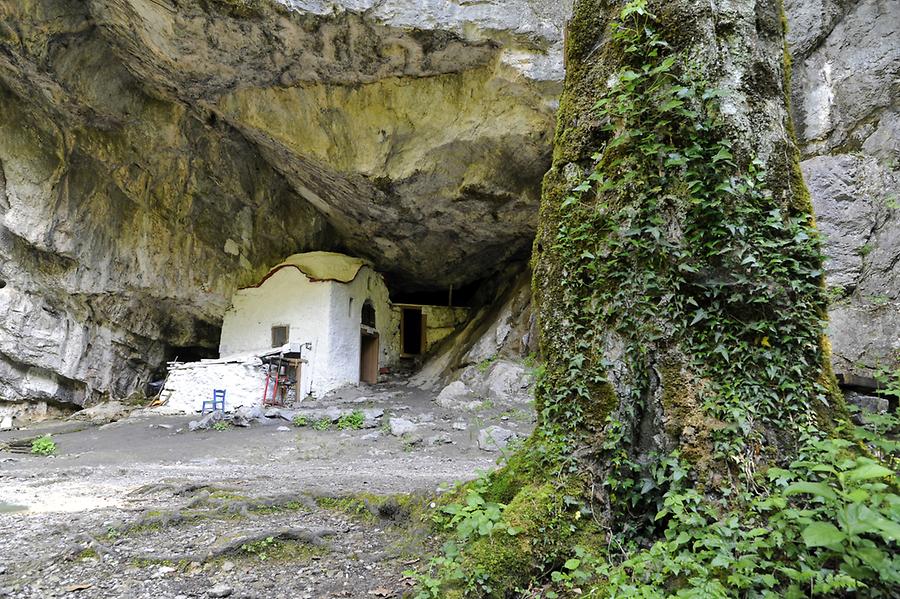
(583, 186)
(822, 534)
(572, 564)
(670, 105)
(817, 489)
(867, 471)
(722, 154)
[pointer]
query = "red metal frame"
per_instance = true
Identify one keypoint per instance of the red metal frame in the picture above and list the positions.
(274, 400)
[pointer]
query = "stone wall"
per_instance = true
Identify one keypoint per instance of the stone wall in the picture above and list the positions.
(846, 86)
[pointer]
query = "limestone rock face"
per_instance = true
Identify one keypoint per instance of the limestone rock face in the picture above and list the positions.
(845, 89)
(155, 156)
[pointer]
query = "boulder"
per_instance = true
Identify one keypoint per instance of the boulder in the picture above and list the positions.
(219, 591)
(245, 415)
(456, 396)
(868, 403)
(206, 421)
(102, 413)
(503, 382)
(402, 426)
(495, 438)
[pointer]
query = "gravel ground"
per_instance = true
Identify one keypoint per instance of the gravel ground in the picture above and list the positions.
(142, 507)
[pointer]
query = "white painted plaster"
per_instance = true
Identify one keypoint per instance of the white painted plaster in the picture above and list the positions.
(318, 313)
(189, 385)
(325, 314)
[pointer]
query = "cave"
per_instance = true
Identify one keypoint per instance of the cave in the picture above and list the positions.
(163, 162)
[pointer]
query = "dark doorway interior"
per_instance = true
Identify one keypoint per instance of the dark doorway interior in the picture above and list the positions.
(411, 328)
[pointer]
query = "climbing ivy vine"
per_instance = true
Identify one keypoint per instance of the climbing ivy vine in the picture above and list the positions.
(688, 266)
(676, 238)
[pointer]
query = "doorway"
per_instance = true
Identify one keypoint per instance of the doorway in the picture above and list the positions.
(412, 332)
(368, 358)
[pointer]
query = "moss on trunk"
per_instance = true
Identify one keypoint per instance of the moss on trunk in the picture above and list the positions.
(679, 288)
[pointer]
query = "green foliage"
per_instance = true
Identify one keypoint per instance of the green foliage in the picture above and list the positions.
(826, 524)
(221, 426)
(675, 240)
(890, 382)
(322, 424)
(43, 446)
(352, 421)
(260, 548)
(299, 420)
(699, 265)
(474, 518)
(485, 364)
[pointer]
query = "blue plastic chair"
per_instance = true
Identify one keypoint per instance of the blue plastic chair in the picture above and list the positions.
(217, 403)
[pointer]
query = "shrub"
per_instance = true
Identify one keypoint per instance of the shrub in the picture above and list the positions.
(353, 421)
(43, 446)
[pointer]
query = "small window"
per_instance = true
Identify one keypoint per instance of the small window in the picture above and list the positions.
(350, 308)
(368, 314)
(279, 335)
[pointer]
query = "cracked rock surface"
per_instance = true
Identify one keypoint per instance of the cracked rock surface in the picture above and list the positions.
(155, 155)
(845, 88)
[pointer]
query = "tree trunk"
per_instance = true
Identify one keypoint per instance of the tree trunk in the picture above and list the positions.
(678, 281)
(678, 274)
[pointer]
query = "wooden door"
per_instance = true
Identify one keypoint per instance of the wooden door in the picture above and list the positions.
(368, 358)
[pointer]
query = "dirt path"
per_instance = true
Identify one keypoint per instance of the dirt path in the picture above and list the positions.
(143, 508)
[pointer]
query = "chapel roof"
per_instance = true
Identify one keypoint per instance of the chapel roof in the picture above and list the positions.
(322, 266)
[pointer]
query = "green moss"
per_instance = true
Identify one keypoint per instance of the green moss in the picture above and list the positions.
(371, 508)
(827, 415)
(584, 31)
(604, 401)
(685, 420)
(88, 553)
(353, 506)
(547, 527)
(505, 483)
(227, 495)
(278, 550)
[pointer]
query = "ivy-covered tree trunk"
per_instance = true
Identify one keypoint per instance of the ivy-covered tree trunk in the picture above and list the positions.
(679, 289)
(678, 276)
